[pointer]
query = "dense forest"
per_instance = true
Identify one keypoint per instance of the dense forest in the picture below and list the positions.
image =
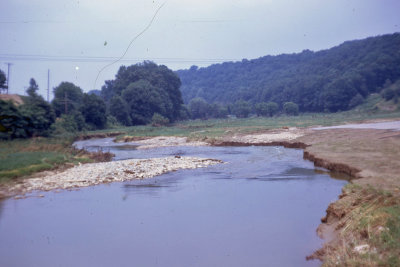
(331, 80)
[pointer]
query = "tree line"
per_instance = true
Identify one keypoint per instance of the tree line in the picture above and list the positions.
(198, 108)
(139, 94)
(331, 80)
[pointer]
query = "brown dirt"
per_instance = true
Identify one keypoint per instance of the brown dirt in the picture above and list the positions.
(16, 99)
(370, 157)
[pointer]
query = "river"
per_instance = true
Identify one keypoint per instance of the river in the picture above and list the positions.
(260, 208)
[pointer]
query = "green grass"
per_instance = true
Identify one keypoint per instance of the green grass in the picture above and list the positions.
(373, 218)
(215, 128)
(24, 157)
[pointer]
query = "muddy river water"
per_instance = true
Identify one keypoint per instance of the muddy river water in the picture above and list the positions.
(260, 208)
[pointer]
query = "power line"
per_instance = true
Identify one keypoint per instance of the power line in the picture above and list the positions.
(126, 51)
(26, 57)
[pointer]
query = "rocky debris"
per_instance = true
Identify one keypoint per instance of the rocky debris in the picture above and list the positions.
(105, 172)
(285, 137)
(281, 135)
(268, 137)
(167, 141)
(361, 249)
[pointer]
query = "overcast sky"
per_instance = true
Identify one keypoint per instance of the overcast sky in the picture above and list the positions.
(77, 38)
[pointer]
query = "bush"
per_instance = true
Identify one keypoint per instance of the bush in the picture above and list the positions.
(291, 108)
(356, 100)
(242, 109)
(388, 93)
(158, 120)
(267, 109)
(198, 108)
(112, 122)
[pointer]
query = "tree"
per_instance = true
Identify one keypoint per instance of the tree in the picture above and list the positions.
(291, 108)
(69, 123)
(120, 110)
(266, 109)
(39, 116)
(3, 80)
(158, 120)
(12, 122)
(217, 111)
(272, 108)
(355, 101)
(67, 98)
(33, 88)
(146, 83)
(242, 109)
(198, 108)
(94, 111)
(38, 113)
(184, 113)
(145, 99)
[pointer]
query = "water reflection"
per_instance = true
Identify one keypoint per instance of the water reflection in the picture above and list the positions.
(1, 208)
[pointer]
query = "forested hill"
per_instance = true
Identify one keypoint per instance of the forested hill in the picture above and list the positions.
(329, 80)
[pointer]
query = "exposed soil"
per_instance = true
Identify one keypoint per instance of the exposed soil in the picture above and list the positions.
(16, 99)
(369, 156)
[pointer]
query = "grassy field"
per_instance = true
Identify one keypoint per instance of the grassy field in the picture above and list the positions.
(215, 128)
(27, 156)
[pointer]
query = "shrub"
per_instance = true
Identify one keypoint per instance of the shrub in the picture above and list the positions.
(291, 108)
(159, 120)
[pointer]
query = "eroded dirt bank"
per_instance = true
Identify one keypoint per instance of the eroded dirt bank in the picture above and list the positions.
(353, 224)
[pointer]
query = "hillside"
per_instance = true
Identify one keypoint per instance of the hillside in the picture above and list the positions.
(329, 80)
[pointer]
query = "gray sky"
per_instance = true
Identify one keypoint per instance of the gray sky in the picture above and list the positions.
(65, 34)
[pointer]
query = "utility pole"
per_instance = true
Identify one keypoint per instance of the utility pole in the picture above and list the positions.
(8, 76)
(66, 103)
(48, 85)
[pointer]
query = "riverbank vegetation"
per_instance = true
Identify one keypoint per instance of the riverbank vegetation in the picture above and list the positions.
(22, 157)
(367, 222)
